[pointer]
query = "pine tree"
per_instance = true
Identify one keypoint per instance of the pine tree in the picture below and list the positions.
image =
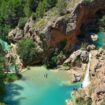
(41, 9)
(51, 3)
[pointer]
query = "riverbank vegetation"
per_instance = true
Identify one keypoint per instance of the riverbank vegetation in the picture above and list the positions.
(2, 76)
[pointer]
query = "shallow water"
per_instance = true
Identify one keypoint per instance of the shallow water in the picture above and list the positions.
(39, 90)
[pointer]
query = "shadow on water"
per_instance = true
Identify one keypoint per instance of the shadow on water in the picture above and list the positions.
(13, 89)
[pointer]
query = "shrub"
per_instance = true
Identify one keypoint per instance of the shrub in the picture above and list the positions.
(40, 9)
(87, 1)
(22, 22)
(11, 77)
(41, 23)
(33, 16)
(82, 101)
(51, 60)
(61, 6)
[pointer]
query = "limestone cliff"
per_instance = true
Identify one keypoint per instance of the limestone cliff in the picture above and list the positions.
(94, 94)
(55, 29)
(67, 27)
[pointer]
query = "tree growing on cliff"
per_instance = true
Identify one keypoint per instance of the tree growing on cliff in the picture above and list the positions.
(44, 6)
(26, 50)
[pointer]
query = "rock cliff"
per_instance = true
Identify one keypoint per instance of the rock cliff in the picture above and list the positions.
(55, 29)
(67, 27)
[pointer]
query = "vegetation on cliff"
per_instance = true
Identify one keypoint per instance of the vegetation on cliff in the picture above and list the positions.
(2, 76)
(16, 13)
(27, 50)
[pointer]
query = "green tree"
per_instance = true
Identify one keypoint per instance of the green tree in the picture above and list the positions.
(40, 11)
(22, 22)
(51, 3)
(26, 50)
(27, 10)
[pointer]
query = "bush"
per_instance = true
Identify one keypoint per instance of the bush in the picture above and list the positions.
(51, 60)
(33, 16)
(87, 1)
(27, 51)
(61, 6)
(82, 101)
(22, 22)
(11, 77)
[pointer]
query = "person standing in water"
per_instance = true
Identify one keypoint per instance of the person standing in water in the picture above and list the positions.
(46, 75)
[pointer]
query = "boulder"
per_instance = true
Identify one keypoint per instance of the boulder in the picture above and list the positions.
(94, 37)
(100, 89)
(77, 78)
(73, 56)
(99, 52)
(28, 25)
(84, 56)
(15, 34)
(91, 47)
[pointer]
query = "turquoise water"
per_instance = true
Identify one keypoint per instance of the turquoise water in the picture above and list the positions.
(51, 91)
(24, 92)
(101, 40)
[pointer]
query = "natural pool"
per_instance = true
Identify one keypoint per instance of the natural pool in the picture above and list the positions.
(35, 89)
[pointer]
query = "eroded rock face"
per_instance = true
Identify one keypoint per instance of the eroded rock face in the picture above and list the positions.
(84, 56)
(65, 28)
(58, 29)
(96, 90)
(15, 35)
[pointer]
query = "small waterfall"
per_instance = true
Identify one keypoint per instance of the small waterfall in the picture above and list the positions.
(86, 80)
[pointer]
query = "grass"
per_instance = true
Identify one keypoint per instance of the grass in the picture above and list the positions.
(72, 3)
(40, 23)
(52, 12)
